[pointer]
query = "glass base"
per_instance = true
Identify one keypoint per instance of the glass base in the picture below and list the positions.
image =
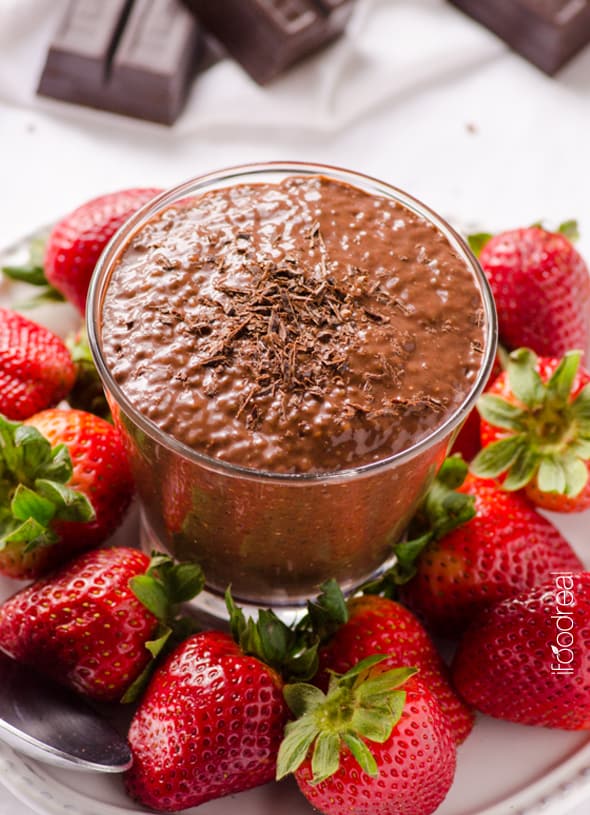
(209, 608)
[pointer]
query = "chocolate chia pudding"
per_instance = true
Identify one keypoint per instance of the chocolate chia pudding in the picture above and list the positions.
(304, 326)
(286, 333)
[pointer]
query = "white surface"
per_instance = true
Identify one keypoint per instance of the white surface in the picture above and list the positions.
(419, 96)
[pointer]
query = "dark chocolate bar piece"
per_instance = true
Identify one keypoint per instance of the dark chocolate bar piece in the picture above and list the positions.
(547, 32)
(135, 57)
(267, 36)
(83, 46)
(154, 60)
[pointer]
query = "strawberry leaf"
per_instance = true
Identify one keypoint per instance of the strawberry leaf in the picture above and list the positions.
(522, 469)
(9, 454)
(362, 667)
(570, 230)
(302, 661)
(561, 382)
(580, 449)
(32, 452)
(69, 505)
(33, 487)
(500, 413)
(302, 698)
(325, 613)
(453, 472)
(34, 275)
(477, 241)
(237, 618)
(30, 532)
(373, 723)
(523, 377)
(376, 688)
(364, 757)
(180, 581)
(325, 758)
(135, 691)
(58, 467)
(274, 636)
(152, 594)
(33, 271)
(186, 581)
(551, 475)
(299, 736)
(447, 509)
(27, 504)
(155, 647)
(580, 410)
(498, 456)
(576, 475)
(87, 392)
(407, 554)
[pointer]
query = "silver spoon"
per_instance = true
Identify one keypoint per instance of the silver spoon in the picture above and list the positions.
(44, 721)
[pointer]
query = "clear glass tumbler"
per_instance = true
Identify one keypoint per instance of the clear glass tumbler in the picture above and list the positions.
(275, 537)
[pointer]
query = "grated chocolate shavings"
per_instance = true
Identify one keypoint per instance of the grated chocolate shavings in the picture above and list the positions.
(292, 323)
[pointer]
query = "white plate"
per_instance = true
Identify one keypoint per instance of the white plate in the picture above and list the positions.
(502, 769)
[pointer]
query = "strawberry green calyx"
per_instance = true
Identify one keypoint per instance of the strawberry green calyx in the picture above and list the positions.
(325, 613)
(289, 650)
(569, 229)
(162, 589)
(364, 704)
(477, 241)
(33, 487)
(442, 510)
(33, 273)
(547, 432)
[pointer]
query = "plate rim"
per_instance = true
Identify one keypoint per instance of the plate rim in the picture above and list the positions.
(34, 785)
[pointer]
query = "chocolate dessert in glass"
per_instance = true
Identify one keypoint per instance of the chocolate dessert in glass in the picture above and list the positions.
(289, 351)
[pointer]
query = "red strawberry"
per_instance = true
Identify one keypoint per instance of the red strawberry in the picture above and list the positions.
(535, 430)
(209, 725)
(67, 486)
(377, 625)
(36, 369)
(527, 659)
(213, 716)
(77, 241)
(541, 287)
(369, 747)
(506, 548)
(85, 626)
(75, 244)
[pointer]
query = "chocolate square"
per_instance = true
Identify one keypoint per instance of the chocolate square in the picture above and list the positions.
(546, 32)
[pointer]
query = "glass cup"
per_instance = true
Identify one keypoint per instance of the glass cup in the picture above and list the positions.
(275, 537)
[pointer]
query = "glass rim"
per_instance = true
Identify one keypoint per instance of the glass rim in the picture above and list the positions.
(244, 173)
